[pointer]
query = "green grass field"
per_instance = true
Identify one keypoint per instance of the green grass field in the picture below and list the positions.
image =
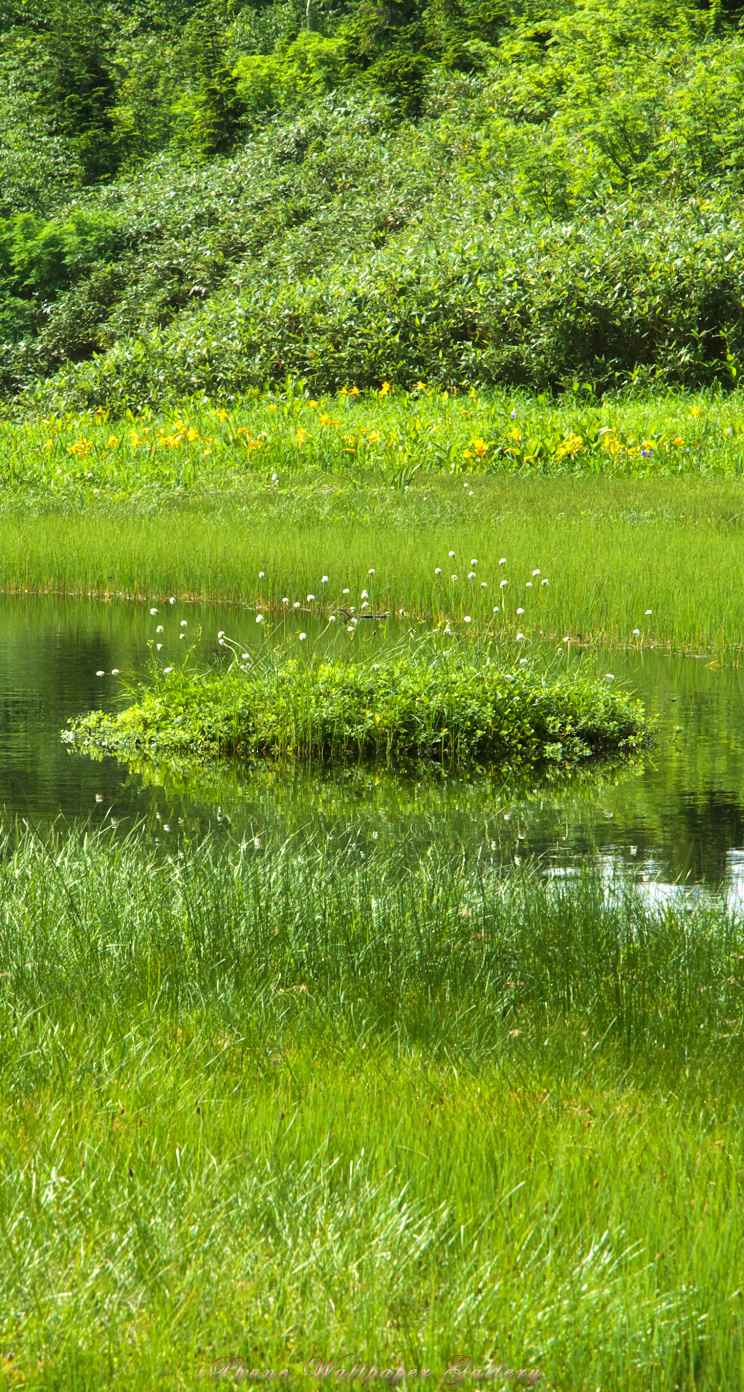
(276, 1106)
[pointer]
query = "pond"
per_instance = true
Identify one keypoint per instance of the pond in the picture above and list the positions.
(678, 818)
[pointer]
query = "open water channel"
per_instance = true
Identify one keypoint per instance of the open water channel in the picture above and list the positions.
(678, 820)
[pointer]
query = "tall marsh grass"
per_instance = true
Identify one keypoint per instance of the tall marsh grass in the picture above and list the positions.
(610, 550)
(277, 1103)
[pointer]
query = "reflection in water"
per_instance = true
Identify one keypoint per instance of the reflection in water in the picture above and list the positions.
(677, 820)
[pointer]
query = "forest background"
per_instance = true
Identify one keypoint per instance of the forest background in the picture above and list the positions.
(212, 198)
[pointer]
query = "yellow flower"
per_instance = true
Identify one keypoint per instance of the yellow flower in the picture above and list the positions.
(80, 447)
(572, 445)
(222, 415)
(695, 410)
(272, 407)
(480, 448)
(384, 389)
(193, 434)
(373, 437)
(467, 454)
(301, 435)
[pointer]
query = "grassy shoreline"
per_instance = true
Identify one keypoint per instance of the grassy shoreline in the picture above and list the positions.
(611, 550)
(284, 1104)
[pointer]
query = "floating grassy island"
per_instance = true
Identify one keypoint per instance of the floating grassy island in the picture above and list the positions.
(444, 708)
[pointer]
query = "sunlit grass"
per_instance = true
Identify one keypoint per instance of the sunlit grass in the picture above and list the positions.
(272, 1104)
(611, 550)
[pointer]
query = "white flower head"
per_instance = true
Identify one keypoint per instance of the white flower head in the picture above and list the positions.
(474, 561)
(636, 632)
(471, 575)
(467, 619)
(324, 579)
(502, 561)
(344, 591)
(159, 628)
(100, 674)
(451, 553)
(259, 618)
(609, 676)
(438, 570)
(484, 584)
(296, 604)
(158, 646)
(535, 572)
(649, 611)
(303, 636)
(331, 618)
(260, 575)
(166, 672)
(153, 611)
(371, 571)
(172, 599)
(520, 611)
(520, 637)
(544, 582)
(365, 594)
(453, 577)
(114, 671)
(502, 583)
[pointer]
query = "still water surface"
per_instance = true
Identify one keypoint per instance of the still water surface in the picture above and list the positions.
(679, 819)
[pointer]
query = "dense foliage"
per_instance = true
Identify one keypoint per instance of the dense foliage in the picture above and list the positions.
(444, 708)
(209, 197)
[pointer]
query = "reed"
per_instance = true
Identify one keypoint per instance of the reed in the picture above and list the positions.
(279, 1103)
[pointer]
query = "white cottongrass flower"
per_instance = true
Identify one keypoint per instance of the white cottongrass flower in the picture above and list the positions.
(502, 583)
(453, 577)
(467, 619)
(296, 604)
(365, 605)
(523, 661)
(344, 591)
(114, 671)
(365, 594)
(184, 623)
(159, 628)
(172, 599)
(484, 584)
(375, 668)
(245, 657)
(310, 598)
(303, 636)
(520, 637)
(260, 575)
(166, 673)
(221, 633)
(544, 582)
(649, 611)
(636, 632)
(471, 575)
(502, 561)
(158, 646)
(451, 553)
(153, 611)
(331, 618)
(100, 674)
(528, 585)
(438, 570)
(609, 676)
(447, 630)
(285, 600)
(371, 571)
(324, 579)
(567, 639)
(259, 618)
(535, 572)
(520, 611)
(495, 608)
(474, 561)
